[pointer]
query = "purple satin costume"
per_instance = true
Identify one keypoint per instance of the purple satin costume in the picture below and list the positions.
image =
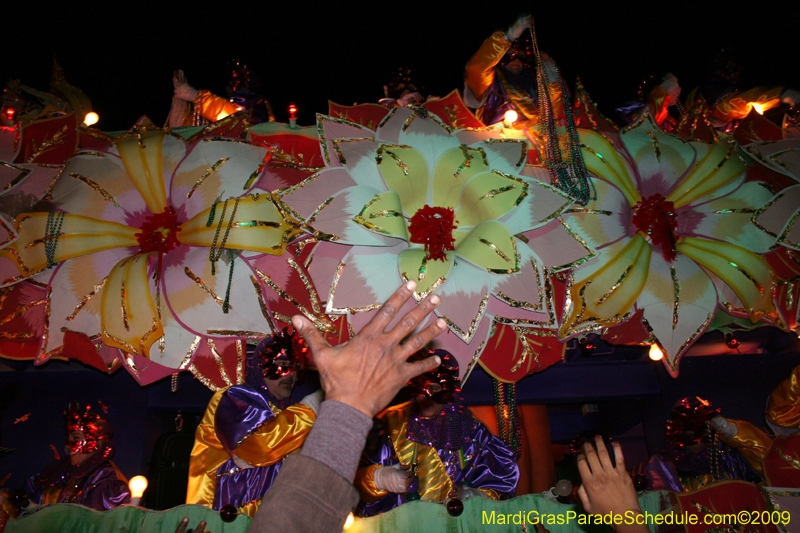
(490, 464)
(497, 102)
(93, 485)
(241, 411)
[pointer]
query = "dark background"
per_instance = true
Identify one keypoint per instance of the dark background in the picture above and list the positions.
(123, 54)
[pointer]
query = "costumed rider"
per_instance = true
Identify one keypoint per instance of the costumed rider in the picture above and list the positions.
(248, 429)
(695, 455)
(727, 103)
(431, 448)
(500, 77)
(86, 475)
(775, 457)
(191, 107)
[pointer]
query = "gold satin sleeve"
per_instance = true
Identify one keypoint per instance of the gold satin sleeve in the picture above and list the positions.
(783, 407)
(213, 107)
(658, 102)
(365, 483)
(207, 455)
(491, 493)
(738, 104)
(753, 443)
(278, 437)
(434, 483)
(480, 68)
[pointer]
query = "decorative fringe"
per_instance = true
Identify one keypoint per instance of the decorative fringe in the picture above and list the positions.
(505, 404)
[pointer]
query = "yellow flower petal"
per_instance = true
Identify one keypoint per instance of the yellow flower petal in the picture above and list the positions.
(716, 166)
(605, 294)
(259, 224)
(604, 161)
(384, 214)
(415, 266)
(78, 235)
(748, 274)
(492, 247)
(129, 317)
(142, 156)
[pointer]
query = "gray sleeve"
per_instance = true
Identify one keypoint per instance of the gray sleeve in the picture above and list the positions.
(337, 438)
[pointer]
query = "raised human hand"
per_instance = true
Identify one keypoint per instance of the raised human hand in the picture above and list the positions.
(367, 371)
(605, 488)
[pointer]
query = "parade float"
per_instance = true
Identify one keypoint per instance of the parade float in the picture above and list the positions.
(166, 250)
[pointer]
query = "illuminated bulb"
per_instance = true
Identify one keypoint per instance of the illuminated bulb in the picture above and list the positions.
(91, 118)
(349, 521)
(137, 484)
(655, 353)
(510, 117)
(758, 107)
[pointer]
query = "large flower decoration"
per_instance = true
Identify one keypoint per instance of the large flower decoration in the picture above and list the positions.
(674, 239)
(153, 247)
(415, 200)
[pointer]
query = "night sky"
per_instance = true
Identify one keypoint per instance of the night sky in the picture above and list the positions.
(124, 61)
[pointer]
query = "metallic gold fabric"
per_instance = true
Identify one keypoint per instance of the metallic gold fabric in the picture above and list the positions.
(273, 440)
(213, 107)
(752, 442)
(434, 483)
(783, 408)
(480, 69)
(365, 483)
(738, 104)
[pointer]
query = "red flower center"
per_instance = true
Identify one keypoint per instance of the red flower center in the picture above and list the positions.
(433, 227)
(159, 233)
(655, 217)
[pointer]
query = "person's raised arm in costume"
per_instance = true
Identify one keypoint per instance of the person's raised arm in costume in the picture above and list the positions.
(314, 491)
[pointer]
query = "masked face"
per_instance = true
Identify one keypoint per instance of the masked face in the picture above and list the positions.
(282, 386)
(79, 442)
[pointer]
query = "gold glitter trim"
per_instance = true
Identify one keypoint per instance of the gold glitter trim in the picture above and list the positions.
(208, 172)
(202, 378)
(97, 288)
(321, 323)
(383, 148)
(337, 142)
(23, 172)
(359, 218)
(423, 113)
(676, 290)
(656, 148)
(46, 329)
(105, 194)
(330, 309)
(468, 159)
(263, 304)
(475, 357)
(476, 320)
(614, 287)
(218, 359)
(240, 358)
(236, 333)
(187, 359)
(21, 310)
(47, 144)
(526, 350)
(745, 274)
(523, 148)
(202, 284)
(124, 308)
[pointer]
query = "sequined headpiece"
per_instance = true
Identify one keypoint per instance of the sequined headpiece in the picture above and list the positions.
(521, 49)
(96, 429)
(282, 353)
(445, 375)
(686, 424)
